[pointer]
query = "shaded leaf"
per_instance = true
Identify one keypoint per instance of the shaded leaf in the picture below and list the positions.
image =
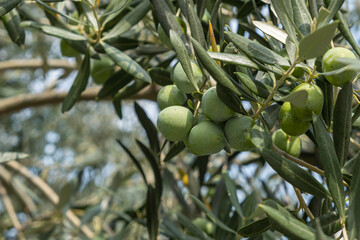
(297, 98)
(195, 25)
(78, 86)
(149, 127)
(330, 223)
(254, 228)
(354, 207)
(316, 43)
(271, 114)
(294, 174)
(333, 7)
(284, 11)
(90, 213)
(231, 191)
(11, 22)
(319, 233)
(183, 57)
(113, 84)
(231, 100)
(330, 164)
(217, 73)
(126, 63)
(258, 88)
(172, 229)
(211, 215)
(284, 222)
(152, 214)
(255, 50)
(342, 122)
(171, 182)
(54, 31)
(7, 5)
(154, 163)
(160, 76)
(65, 195)
(130, 19)
(131, 89)
(174, 150)
(302, 17)
(260, 136)
(192, 227)
(134, 159)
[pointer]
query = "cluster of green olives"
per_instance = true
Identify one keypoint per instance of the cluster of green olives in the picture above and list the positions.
(215, 125)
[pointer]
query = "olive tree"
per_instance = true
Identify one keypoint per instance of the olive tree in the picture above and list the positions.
(257, 136)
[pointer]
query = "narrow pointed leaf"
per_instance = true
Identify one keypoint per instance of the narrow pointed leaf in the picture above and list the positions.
(342, 122)
(320, 235)
(345, 31)
(183, 57)
(354, 207)
(131, 89)
(294, 174)
(271, 30)
(333, 7)
(134, 159)
(126, 63)
(132, 18)
(211, 215)
(197, 31)
(330, 164)
(231, 191)
(78, 86)
(152, 214)
(260, 136)
(195, 230)
(218, 73)
(233, 59)
(297, 98)
(284, 222)
(284, 12)
(149, 127)
(257, 87)
(54, 31)
(330, 223)
(154, 163)
(231, 100)
(302, 16)
(7, 5)
(11, 22)
(175, 149)
(271, 114)
(160, 76)
(314, 44)
(255, 228)
(255, 50)
(113, 84)
(171, 182)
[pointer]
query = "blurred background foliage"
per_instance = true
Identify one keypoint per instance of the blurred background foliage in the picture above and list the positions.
(77, 154)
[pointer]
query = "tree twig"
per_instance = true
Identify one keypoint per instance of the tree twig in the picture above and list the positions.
(36, 63)
(10, 210)
(50, 194)
(17, 103)
(5, 176)
(303, 204)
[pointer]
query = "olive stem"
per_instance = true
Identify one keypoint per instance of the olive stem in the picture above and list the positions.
(303, 204)
(355, 142)
(272, 93)
(302, 162)
(344, 232)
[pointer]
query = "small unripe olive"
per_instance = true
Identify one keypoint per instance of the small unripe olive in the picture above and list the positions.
(175, 122)
(207, 226)
(330, 63)
(314, 101)
(289, 123)
(237, 132)
(214, 108)
(181, 80)
(287, 143)
(170, 95)
(206, 138)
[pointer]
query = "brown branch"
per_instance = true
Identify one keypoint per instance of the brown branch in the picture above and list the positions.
(10, 210)
(36, 63)
(17, 103)
(50, 194)
(6, 176)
